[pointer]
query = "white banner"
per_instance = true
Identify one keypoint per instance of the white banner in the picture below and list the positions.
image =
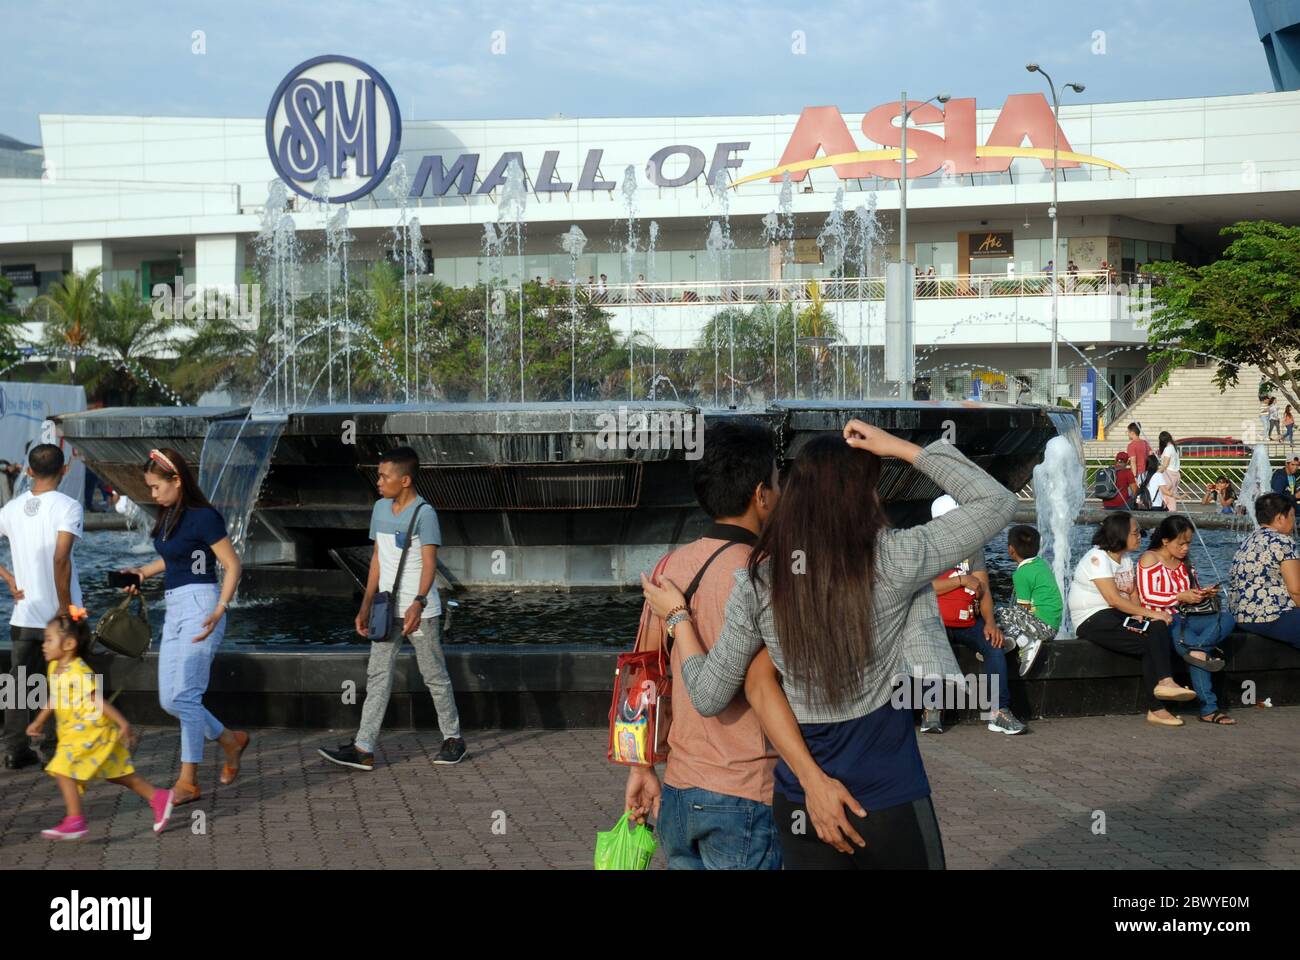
(24, 410)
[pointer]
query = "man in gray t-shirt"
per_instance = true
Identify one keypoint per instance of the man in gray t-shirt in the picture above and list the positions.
(402, 520)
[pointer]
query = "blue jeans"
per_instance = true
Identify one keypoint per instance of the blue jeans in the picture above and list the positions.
(1285, 628)
(184, 666)
(1202, 633)
(703, 830)
(995, 658)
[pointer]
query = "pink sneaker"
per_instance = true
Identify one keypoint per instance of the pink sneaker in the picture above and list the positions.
(161, 802)
(72, 828)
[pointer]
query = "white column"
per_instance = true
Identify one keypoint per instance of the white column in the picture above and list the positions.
(87, 254)
(218, 262)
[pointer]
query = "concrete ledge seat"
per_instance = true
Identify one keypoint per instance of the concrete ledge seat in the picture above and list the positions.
(568, 685)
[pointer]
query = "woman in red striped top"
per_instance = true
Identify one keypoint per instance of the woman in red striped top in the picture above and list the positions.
(1164, 581)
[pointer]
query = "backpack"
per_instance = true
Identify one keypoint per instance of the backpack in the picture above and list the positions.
(1143, 499)
(957, 607)
(1104, 485)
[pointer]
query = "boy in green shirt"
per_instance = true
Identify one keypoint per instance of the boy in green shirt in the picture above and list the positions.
(1037, 614)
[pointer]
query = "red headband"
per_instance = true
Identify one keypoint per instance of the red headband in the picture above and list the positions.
(160, 457)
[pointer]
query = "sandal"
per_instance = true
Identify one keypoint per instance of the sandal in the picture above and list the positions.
(1219, 719)
(183, 794)
(1160, 722)
(229, 773)
(1209, 664)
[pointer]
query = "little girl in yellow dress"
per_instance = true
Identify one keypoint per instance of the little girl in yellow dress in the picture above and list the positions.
(93, 735)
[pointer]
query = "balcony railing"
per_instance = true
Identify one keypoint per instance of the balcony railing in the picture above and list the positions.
(966, 286)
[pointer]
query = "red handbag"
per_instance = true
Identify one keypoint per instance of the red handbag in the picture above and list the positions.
(641, 712)
(957, 607)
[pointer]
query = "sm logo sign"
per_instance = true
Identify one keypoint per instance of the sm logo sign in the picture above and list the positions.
(1024, 116)
(337, 114)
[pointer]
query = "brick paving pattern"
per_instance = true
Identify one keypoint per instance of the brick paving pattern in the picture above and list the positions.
(1192, 797)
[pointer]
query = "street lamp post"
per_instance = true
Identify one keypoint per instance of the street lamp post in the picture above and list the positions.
(909, 346)
(1051, 213)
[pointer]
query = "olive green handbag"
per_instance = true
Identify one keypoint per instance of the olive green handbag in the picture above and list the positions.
(125, 632)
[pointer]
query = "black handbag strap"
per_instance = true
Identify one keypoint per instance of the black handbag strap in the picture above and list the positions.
(723, 531)
(410, 531)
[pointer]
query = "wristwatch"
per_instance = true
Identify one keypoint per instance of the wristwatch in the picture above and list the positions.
(421, 599)
(676, 618)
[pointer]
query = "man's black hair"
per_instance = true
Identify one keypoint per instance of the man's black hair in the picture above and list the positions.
(46, 460)
(1272, 505)
(406, 460)
(1135, 428)
(738, 455)
(1024, 539)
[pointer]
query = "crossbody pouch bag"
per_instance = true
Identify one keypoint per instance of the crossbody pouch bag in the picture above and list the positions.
(383, 609)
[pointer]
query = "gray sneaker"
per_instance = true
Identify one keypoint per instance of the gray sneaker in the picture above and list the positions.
(931, 721)
(1005, 722)
(1028, 654)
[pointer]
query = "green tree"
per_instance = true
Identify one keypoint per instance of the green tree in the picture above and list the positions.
(1244, 308)
(68, 312)
(129, 339)
(10, 325)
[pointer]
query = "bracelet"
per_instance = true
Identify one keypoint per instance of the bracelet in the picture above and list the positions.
(677, 609)
(679, 616)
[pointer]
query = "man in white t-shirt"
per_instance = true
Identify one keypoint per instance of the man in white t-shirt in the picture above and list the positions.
(42, 526)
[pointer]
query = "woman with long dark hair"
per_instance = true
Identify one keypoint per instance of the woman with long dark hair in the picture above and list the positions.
(190, 537)
(1166, 581)
(830, 591)
(1171, 467)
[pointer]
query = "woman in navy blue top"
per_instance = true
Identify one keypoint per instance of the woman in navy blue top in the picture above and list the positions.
(190, 537)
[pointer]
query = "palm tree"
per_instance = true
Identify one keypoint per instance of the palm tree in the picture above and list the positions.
(126, 333)
(69, 311)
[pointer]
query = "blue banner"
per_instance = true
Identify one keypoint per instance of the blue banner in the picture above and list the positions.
(1088, 406)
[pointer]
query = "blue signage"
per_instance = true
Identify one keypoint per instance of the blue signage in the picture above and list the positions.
(1088, 406)
(336, 113)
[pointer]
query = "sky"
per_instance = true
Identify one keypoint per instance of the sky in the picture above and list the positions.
(487, 59)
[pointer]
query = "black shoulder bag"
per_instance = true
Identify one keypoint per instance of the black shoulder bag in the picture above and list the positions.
(383, 609)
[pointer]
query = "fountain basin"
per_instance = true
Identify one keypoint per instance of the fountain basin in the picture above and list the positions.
(529, 495)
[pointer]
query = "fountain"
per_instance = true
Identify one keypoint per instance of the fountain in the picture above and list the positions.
(573, 242)
(1058, 498)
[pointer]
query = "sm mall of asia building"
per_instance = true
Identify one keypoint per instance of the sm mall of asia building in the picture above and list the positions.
(152, 198)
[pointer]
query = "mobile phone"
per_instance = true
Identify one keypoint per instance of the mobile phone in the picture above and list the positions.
(118, 579)
(1136, 625)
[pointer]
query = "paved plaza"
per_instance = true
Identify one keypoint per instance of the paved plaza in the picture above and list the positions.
(1194, 797)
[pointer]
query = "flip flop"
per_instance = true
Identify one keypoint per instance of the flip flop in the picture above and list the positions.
(229, 773)
(1209, 664)
(1219, 719)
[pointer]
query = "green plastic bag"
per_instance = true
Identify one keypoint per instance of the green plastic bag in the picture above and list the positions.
(629, 846)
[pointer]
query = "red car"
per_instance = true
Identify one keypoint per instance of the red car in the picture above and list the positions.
(1212, 447)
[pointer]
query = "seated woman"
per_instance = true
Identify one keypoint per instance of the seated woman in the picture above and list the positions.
(1222, 494)
(1105, 610)
(1166, 580)
(836, 622)
(1264, 579)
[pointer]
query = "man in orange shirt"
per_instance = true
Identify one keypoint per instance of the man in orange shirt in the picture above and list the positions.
(714, 808)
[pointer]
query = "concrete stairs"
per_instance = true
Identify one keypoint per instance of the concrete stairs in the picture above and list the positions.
(1190, 405)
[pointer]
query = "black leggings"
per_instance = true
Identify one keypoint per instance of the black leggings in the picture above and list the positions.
(905, 837)
(1106, 629)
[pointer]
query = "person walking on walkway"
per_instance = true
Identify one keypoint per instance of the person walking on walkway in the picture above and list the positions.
(404, 527)
(1171, 467)
(190, 537)
(42, 526)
